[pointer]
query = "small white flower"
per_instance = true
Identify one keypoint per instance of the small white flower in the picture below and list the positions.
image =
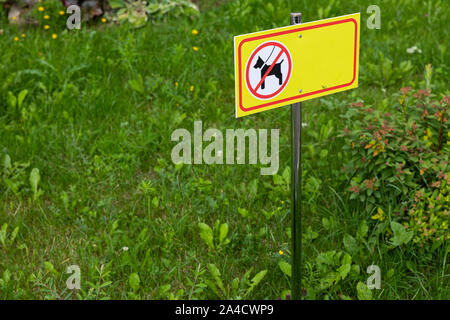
(413, 49)
(304, 124)
(125, 248)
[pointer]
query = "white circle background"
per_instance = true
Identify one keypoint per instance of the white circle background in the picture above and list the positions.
(271, 82)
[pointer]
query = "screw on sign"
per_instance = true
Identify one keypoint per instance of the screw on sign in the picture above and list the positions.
(268, 70)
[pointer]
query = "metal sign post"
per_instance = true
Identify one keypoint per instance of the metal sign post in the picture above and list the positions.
(296, 125)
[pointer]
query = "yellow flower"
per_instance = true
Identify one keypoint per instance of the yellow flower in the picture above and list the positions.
(195, 48)
(54, 36)
(46, 17)
(104, 20)
(379, 215)
(191, 88)
(61, 13)
(41, 9)
(176, 84)
(16, 38)
(195, 32)
(281, 252)
(23, 35)
(46, 27)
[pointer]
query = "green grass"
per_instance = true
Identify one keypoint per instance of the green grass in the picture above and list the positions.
(103, 150)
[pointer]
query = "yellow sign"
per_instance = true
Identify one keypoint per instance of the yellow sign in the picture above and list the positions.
(278, 67)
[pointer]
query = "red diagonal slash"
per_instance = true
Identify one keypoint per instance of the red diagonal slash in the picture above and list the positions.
(268, 70)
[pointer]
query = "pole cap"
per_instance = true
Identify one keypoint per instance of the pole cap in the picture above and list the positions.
(296, 17)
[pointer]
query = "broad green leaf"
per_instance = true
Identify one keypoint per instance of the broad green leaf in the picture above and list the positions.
(362, 230)
(21, 97)
(3, 233)
(253, 188)
(277, 179)
(223, 232)
(134, 281)
(115, 4)
(363, 292)
(35, 177)
(243, 212)
(346, 259)
(49, 266)
(326, 223)
(355, 269)
(287, 175)
(258, 277)
(155, 202)
(206, 234)
(344, 270)
(285, 267)
(401, 236)
(328, 280)
(326, 258)
(217, 276)
(213, 287)
(7, 164)
(255, 281)
(14, 235)
(350, 244)
(137, 84)
(213, 270)
(6, 276)
(12, 100)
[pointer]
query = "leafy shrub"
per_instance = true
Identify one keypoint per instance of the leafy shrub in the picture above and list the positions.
(138, 12)
(404, 152)
(135, 12)
(430, 212)
(12, 175)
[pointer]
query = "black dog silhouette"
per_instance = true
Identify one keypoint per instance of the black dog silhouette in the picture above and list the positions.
(276, 71)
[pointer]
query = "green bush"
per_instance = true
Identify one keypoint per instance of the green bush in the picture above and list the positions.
(430, 212)
(403, 152)
(135, 12)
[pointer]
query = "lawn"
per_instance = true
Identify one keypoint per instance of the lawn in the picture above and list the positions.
(93, 110)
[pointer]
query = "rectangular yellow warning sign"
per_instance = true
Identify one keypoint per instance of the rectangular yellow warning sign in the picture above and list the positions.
(278, 67)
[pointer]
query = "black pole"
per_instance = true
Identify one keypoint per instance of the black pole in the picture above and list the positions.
(296, 115)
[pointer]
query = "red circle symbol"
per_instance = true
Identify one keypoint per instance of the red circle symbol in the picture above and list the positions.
(279, 51)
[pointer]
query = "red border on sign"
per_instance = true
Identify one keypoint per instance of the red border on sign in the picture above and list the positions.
(305, 94)
(283, 50)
